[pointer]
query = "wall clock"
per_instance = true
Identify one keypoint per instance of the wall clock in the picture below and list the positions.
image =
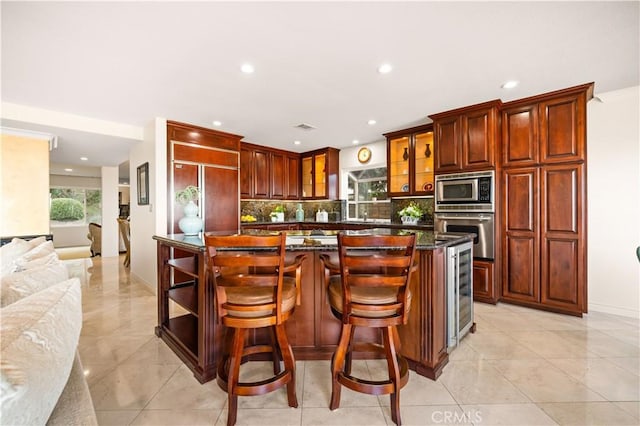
(364, 155)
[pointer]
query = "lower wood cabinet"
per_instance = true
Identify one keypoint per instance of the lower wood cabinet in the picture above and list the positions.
(544, 246)
(484, 288)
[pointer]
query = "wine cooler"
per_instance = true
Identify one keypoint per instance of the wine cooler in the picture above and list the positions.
(459, 292)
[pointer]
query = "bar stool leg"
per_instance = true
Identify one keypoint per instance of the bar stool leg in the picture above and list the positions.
(277, 352)
(234, 374)
(394, 371)
(337, 364)
(289, 363)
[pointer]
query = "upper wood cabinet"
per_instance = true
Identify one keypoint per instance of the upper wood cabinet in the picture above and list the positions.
(546, 129)
(466, 138)
(320, 175)
(208, 159)
(410, 154)
(268, 173)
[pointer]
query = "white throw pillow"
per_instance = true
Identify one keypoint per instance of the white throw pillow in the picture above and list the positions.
(48, 259)
(18, 285)
(37, 252)
(10, 252)
(39, 340)
(19, 250)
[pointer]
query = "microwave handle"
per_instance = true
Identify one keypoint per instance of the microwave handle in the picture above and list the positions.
(479, 219)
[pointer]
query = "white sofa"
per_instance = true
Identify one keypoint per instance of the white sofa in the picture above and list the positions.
(41, 378)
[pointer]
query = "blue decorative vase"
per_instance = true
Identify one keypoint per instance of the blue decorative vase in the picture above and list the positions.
(190, 224)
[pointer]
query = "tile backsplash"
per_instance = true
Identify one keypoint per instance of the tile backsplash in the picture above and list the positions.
(337, 210)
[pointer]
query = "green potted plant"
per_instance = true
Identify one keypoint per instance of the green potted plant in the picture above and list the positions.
(277, 215)
(410, 214)
(190, 224)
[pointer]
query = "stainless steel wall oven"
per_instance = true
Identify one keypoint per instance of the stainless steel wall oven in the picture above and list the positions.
(465, 203)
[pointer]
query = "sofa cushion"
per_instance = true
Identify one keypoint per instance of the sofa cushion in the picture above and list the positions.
(18, 285)
(75, 406)
(16, 248)
(48, 259)
(39, 339)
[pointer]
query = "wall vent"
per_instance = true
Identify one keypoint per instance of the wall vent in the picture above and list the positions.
(304, 126)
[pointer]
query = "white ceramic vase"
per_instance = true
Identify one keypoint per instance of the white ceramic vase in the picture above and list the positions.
(408, 220)
(277, 217)
(190, 224)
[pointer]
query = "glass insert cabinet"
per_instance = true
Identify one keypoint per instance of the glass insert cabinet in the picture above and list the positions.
(410, 159)
(319, 174)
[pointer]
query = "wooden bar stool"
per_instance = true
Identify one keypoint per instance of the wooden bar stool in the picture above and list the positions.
(253, 290)
(370, 288)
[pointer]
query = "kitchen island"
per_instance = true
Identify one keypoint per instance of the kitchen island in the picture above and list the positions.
(187, 317)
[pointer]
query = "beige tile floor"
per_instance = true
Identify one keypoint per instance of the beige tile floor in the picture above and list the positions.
(521, 367)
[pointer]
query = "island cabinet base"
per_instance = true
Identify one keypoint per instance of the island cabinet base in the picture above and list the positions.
(314, 331)
(187, 324)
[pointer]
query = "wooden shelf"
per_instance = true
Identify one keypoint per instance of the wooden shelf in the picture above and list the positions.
(184, 330)
(186, 295)
(186, 265)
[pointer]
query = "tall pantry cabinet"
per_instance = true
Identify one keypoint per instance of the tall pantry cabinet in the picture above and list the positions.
(210, 160)
(543, 200)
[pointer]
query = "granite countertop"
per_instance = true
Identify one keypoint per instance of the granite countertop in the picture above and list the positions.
(313, 240)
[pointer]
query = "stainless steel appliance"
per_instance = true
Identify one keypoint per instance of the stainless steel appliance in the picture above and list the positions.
(464, 202)
(459, 292)
(481, 224)
(470, 191)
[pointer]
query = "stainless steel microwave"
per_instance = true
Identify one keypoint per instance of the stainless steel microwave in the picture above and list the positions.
(470, 191)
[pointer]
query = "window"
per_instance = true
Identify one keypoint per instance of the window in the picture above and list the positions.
(75, 206)
(367, 194)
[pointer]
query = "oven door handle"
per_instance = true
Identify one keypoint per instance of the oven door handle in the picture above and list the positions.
(478, 219)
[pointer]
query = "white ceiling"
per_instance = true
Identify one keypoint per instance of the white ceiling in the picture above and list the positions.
(315, 63)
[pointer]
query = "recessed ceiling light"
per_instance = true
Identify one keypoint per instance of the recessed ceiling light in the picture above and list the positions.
(247, 68)
(371, 122)
(384, 68)
(356, 142)
(84, 159)
(509, 84)
(217, 123)
(296, 142)
(68, 170)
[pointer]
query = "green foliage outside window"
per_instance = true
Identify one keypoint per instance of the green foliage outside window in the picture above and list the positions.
(65, 203)
(66, 210)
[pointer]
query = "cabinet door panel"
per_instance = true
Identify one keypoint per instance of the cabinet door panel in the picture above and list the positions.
(448, 150)
(261, 174)
(521, 200)
(221, 200)
(520, 135)
(562, 130)
(520, 270)
(478, 141)
(292, 187)
(561, 187)
(560, 281)
(563, 279)
(483, 284)
(521, 247)
(246, 173)
(277, 175)
(307, 177)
